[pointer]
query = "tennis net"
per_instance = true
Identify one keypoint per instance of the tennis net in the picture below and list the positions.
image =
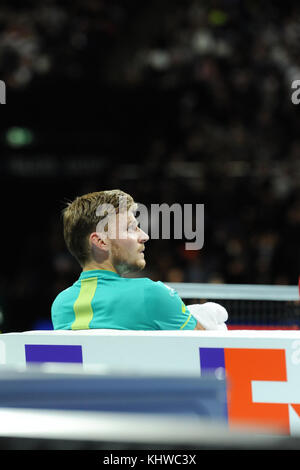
(248, 306)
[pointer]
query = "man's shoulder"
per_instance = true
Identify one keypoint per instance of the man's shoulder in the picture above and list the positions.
(67, 294)
(158, 290)
(155, 289)
(138, 281)
(157, 286)
(160, 286)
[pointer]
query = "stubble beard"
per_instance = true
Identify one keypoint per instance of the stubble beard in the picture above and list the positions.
(123, 265)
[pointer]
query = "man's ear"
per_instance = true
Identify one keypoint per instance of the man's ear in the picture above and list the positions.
(99, 241)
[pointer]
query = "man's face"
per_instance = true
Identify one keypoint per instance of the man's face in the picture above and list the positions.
(127, 246)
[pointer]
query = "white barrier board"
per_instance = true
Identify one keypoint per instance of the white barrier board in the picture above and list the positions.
(262, 367)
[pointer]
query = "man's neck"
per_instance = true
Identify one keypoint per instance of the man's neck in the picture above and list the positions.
(106, 266)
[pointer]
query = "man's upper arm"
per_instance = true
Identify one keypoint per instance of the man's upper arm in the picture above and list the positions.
(166, 309)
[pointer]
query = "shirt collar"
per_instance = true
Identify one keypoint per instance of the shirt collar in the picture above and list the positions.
(98, 273)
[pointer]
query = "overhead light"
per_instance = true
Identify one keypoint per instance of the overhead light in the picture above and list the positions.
(19, 136)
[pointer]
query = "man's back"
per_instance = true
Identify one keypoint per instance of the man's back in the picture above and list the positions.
(104, 299)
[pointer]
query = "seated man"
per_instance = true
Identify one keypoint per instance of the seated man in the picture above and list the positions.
(107, 244)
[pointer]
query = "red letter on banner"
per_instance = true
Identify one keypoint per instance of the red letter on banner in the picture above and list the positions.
(243, 366)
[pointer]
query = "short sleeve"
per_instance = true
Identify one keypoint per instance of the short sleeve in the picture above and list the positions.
(166, 310)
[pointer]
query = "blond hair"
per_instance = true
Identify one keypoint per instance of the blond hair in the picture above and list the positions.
(80, 219)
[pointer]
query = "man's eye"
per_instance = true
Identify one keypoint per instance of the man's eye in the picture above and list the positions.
(132, 227)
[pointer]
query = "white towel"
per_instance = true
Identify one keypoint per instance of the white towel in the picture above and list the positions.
(210, 315)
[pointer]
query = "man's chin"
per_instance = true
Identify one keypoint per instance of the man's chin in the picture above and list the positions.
(142, 264)
(131, 268)
(138, 266)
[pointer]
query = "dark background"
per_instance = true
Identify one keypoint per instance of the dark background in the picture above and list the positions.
(173, 102)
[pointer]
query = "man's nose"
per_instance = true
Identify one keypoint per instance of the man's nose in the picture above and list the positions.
(143, 238)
